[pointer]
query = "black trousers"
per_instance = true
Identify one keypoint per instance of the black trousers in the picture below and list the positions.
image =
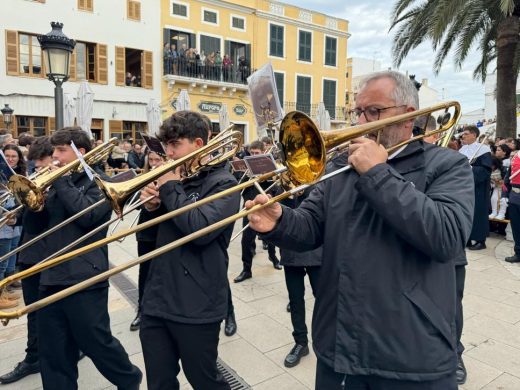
(143, 247)
(166, 342)
(514, 216)
(295, 282)
(460, 278)
(30, 290)
(249, 247)
(328, 379)
(81, 322)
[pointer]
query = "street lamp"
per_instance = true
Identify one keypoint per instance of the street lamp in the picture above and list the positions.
(57, 49)
(7, 113)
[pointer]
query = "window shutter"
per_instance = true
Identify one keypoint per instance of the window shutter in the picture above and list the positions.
(11, 38)
(72, 71)
(2, 124)
(102, 67)
(90, 5)
(52, 124)
(134, 9)
(120, 66)
(147, 69)
(137, 10)
(130, 9)
(82, 4)
(115, 126)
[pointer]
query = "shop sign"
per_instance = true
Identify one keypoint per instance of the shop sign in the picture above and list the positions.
(239, 109)
(211, 107)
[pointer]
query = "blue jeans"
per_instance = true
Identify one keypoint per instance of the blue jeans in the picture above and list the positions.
(7, 266)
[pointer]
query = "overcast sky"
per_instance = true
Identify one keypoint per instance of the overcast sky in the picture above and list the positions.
(369, 22)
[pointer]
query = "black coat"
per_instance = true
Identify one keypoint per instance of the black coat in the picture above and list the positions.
(189, 284)
(68, 196)
(290, 258)
(135, 161)
(385, 303)
(482, 177)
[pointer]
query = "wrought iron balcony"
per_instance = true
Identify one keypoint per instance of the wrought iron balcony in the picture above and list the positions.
(336, 113)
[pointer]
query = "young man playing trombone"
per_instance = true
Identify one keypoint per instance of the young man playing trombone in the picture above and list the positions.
(186, 293)
(80, 321)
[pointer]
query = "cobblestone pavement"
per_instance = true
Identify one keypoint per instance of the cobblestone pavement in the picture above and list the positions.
(256, 352)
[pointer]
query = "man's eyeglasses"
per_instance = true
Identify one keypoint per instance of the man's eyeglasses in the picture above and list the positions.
(371, 113)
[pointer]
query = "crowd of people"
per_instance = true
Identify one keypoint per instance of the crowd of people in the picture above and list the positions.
(211, 66)
(383, 245)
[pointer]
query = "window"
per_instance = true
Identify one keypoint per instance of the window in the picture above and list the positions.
(30, 55)
(134, 67)
(329, 97)
(127, 130)
(133, 10)
(330, 51)
(209, 44)
(276, 40)
(304, 46)
(89, 62)
(86, 5)
(238, 23)
(303, 94)
(35, 125)
(179, 9)
(210, 16)
(279, 79)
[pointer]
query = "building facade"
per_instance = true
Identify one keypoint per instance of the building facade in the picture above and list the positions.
(115, 51)
(218, 44)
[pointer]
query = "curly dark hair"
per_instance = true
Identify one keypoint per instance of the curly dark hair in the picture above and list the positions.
(40, 148)
(21, 167)
(185, 124)
(76, 134)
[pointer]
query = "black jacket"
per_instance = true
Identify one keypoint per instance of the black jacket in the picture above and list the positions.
(189, 284)
(67, 196)
(385, 303)
(135, 161)
(290, 258)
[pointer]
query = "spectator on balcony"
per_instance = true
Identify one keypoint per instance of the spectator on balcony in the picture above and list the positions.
(218, 66)
(227, 65)
(182, 60)
(210, 66)
(167, 59)
(243, 68)
(130, 79)
(192, 62)
(202, 64)
(175, 59)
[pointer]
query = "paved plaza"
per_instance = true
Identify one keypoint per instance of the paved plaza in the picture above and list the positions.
(256, 352)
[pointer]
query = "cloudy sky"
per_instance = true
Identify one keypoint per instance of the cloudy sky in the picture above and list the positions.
(369, 22)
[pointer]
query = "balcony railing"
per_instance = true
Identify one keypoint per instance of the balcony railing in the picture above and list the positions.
(219, 73)
(336, 113)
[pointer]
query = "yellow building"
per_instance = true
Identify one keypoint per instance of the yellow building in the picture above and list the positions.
(308, 51)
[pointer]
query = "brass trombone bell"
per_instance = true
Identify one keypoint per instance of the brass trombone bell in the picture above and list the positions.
(304, 147)
(30, 192)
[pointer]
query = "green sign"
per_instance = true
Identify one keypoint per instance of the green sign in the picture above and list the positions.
(239, 109)
(211, 107)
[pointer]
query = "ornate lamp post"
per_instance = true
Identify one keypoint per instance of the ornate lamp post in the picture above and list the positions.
(57, 49)
(7, 113)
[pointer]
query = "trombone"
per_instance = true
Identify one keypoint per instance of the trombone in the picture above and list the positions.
(301, 144)
(31, 192)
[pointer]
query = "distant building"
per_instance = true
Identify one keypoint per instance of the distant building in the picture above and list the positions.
(490, 105)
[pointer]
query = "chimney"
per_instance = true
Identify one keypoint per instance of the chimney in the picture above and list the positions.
(425, 82)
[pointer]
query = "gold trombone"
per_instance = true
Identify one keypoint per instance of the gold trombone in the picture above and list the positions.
(304, 150)
(31, 192)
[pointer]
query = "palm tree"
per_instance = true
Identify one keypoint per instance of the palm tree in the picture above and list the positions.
(493, 25)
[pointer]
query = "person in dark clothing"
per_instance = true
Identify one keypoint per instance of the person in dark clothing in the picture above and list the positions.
(40, 154)
(249, 235)
(384, 316)
(460, 279)
(80, 321)
(186, 293)
(136, 157)
(479, 156)
(296, 265)
(145, 242)
(512, 184)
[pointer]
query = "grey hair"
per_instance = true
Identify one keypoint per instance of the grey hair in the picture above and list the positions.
(404, 92)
